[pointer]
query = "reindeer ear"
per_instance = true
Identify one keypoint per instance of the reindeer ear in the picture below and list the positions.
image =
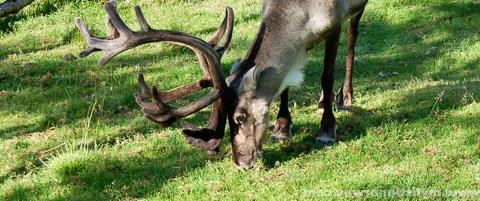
(256, 74)
(249, 81)
(236, 66)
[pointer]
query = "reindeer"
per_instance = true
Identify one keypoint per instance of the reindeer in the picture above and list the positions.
(274, 62)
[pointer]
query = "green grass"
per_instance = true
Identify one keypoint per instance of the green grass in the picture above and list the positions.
(72, 130)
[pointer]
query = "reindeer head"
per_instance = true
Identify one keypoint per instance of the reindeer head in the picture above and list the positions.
(245, 136)
(250, 121)
(224, 95)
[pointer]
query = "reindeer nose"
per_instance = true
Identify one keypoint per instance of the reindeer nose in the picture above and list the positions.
(239, 118)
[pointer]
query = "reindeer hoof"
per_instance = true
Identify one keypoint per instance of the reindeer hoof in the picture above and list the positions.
(282, 130)
(327, 136)
(325, 140)
(320, 111)
(259, 153)
(281, 135)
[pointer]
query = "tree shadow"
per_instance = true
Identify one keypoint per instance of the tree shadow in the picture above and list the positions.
(40, 8)
(27, 44)
(8, 23)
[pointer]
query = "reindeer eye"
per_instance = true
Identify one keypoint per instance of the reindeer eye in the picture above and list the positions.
(240, 118)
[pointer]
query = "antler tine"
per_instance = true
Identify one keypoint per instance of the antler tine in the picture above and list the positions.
(95, 44)
(219, 33)
(161, 113)
(111, 46)
(162, 107)
(116, 20)
(83, 29)
(88, 51)
(225, 27)
(112, 34)
(229, 31)
(143, 86)
(144, 27)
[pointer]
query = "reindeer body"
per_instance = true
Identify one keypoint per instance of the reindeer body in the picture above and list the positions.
(292, 28)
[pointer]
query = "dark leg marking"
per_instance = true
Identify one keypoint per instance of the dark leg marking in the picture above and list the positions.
(327, 132)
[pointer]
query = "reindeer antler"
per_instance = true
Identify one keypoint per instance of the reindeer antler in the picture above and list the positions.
(122, 38)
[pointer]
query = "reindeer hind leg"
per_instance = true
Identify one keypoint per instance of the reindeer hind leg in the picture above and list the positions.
(344, 97)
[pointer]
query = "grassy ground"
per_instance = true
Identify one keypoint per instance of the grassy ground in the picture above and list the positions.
(72, 130)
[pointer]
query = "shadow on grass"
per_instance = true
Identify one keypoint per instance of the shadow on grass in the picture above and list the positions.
(7, 25)
(18, 130)
(348, 129)
(113, 178)
(41, 8)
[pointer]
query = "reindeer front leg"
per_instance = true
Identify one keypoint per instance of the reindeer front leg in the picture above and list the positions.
(327, 132)
(282, 129)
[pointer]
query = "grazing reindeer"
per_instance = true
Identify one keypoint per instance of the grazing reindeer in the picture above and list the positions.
(291, 28)
(274, 61)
